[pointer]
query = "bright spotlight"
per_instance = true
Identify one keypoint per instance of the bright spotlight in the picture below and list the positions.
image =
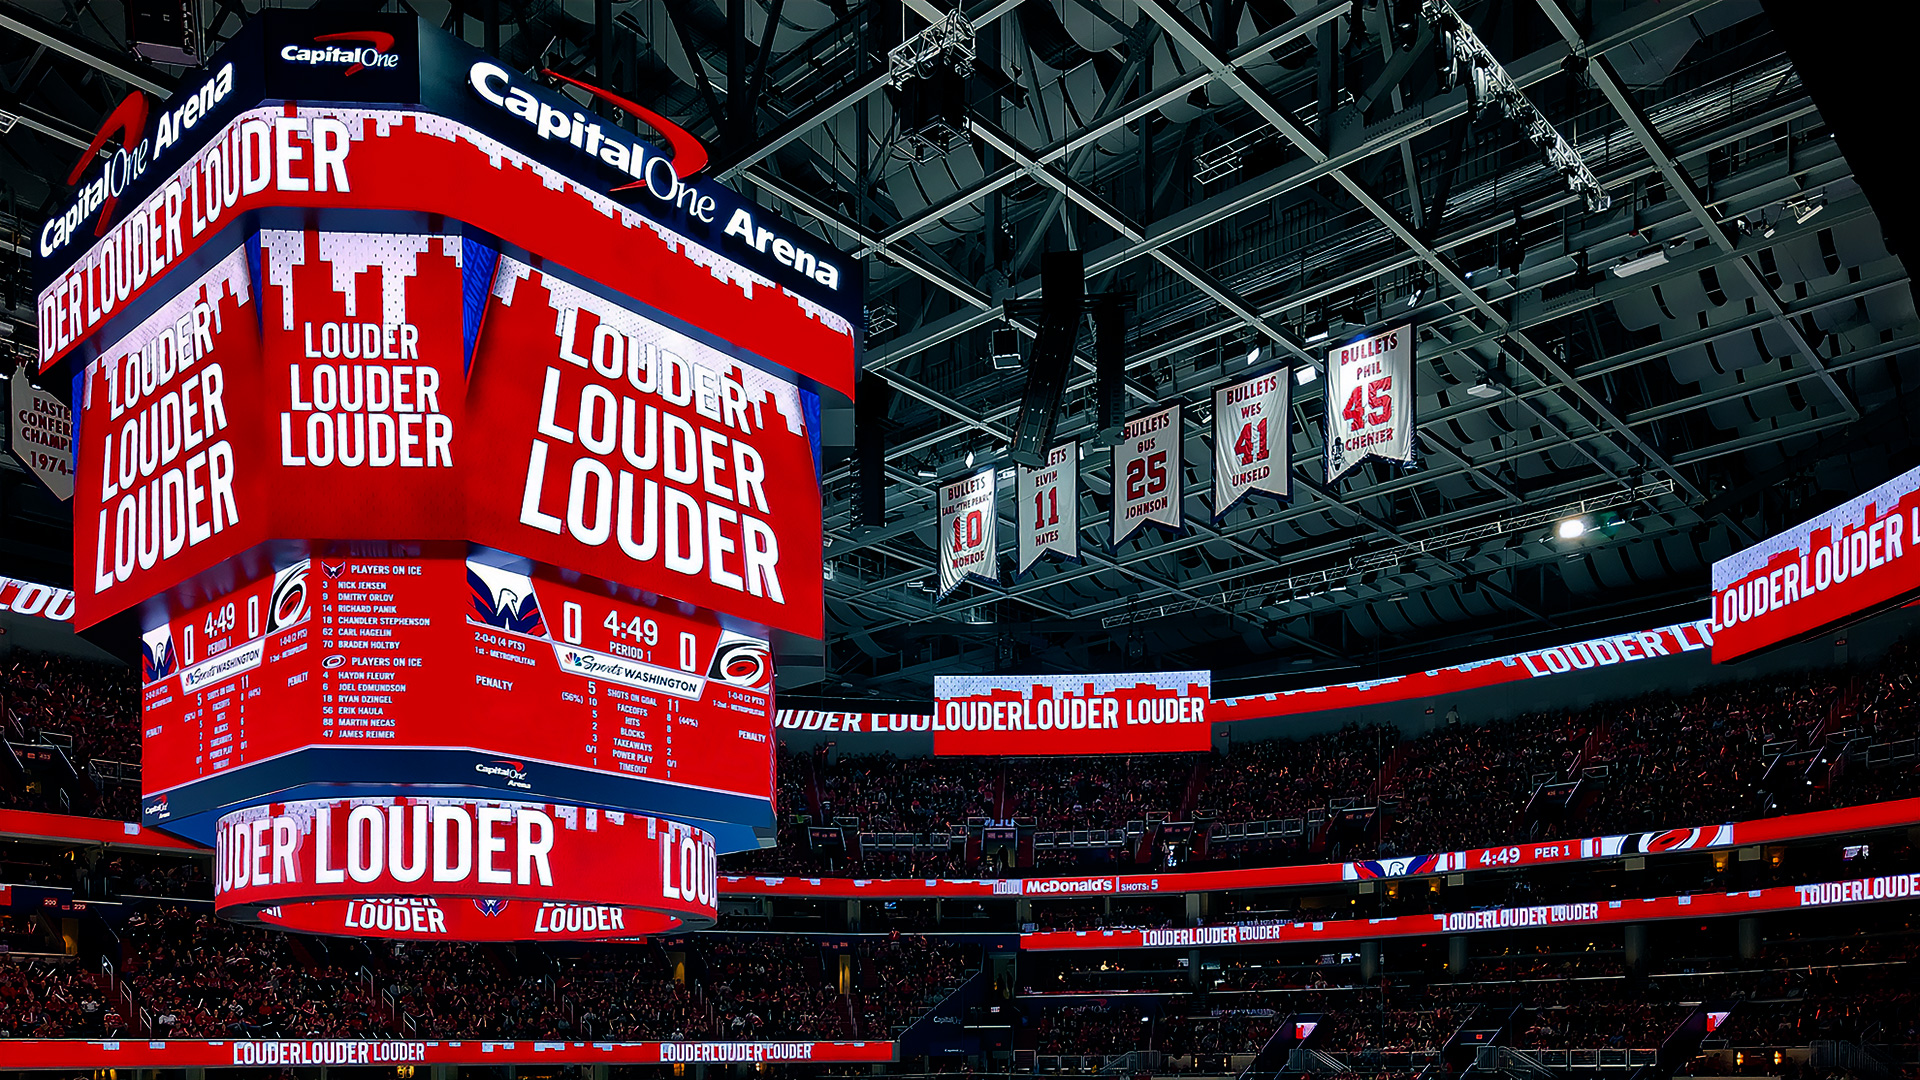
(1572, 528)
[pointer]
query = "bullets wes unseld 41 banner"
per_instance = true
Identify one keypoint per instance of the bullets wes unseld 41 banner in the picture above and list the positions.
(967, 532)
(1370, 401)
(1250, 440)
(1146, 474)
(1048, 507)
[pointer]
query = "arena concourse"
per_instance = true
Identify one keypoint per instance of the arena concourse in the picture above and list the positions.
(1230, 539)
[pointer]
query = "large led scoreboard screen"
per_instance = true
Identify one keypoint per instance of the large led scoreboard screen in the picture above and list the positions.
(457, 672)
(454, 445)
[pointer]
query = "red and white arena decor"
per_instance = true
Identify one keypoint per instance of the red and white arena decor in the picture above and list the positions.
(969, 525)
(1047, 507)
(1592, 913)
(21, 597)
(1071, 714)
(306, 1053)
(1250, 445)
(1370, 401)
(462, 870)
(1851, 820)
(1147, 469)
(1852, 560)
(374, 158)
(1595, 654)
(582, 433)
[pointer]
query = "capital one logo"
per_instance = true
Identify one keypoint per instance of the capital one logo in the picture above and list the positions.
(663, 176)
(373, 51)
(127, 124)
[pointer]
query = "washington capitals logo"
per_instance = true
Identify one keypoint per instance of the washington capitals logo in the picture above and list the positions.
(333, 570)
(504, 607)
(491, 907)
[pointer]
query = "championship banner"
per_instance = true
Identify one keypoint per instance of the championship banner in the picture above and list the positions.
(1049, 507)
(1250, 441)
(41, 435)
(1151, 712)
(1370, 401)
(1146, 474)
(1850, 561)
(462, 870)
(968, 532)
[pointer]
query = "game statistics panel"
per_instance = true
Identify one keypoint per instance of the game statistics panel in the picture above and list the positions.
(479, 672)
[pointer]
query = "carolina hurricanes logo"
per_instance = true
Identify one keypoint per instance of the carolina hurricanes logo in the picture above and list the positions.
(129, 120)
(742, 663)
(689, 156)
(381, 42)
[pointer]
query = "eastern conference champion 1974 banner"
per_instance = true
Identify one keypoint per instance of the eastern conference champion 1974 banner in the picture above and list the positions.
(1370, 401)
(1250, 440)
(1048, 507)
(1146, 474)
(967, 520)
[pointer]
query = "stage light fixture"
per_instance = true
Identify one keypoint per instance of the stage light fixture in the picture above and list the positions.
(1646, 260)
(1572, 528)
(1305, 374)
(1005, 347)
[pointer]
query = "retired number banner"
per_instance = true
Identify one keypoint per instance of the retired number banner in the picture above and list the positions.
(1049, 507)
(967, 533)
(1250, 440)
(1370, 401)
(1146, 474)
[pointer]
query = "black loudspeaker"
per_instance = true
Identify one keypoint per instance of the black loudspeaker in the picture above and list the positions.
(164, 31)
(1110, 364)
(870, 403)
(1063, 288)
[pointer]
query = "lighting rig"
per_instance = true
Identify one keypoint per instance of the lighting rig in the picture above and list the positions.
(1489, 85)
(927, 79)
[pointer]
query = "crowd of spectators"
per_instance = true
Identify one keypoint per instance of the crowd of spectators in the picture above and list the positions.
(1693, 757)
(193, 975)
(1653, 762)
(45, 998)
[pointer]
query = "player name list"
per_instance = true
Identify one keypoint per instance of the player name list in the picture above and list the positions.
(375, 630)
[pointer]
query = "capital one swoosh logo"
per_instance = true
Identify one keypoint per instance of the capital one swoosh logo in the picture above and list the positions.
(689, 155)
(129, 121)
(381, 43)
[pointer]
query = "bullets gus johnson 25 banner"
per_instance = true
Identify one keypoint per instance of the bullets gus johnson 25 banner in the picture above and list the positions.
(1370, 401)
(1147, 473)
(1851, 560)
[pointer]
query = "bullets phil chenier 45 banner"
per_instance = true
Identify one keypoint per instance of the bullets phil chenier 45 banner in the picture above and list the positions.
(968, 517)
(1370, 401)
(1146, 474)
(1048, 507)
(1250, 440)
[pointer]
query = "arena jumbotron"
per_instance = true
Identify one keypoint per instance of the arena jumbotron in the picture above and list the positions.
(1231, 539)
